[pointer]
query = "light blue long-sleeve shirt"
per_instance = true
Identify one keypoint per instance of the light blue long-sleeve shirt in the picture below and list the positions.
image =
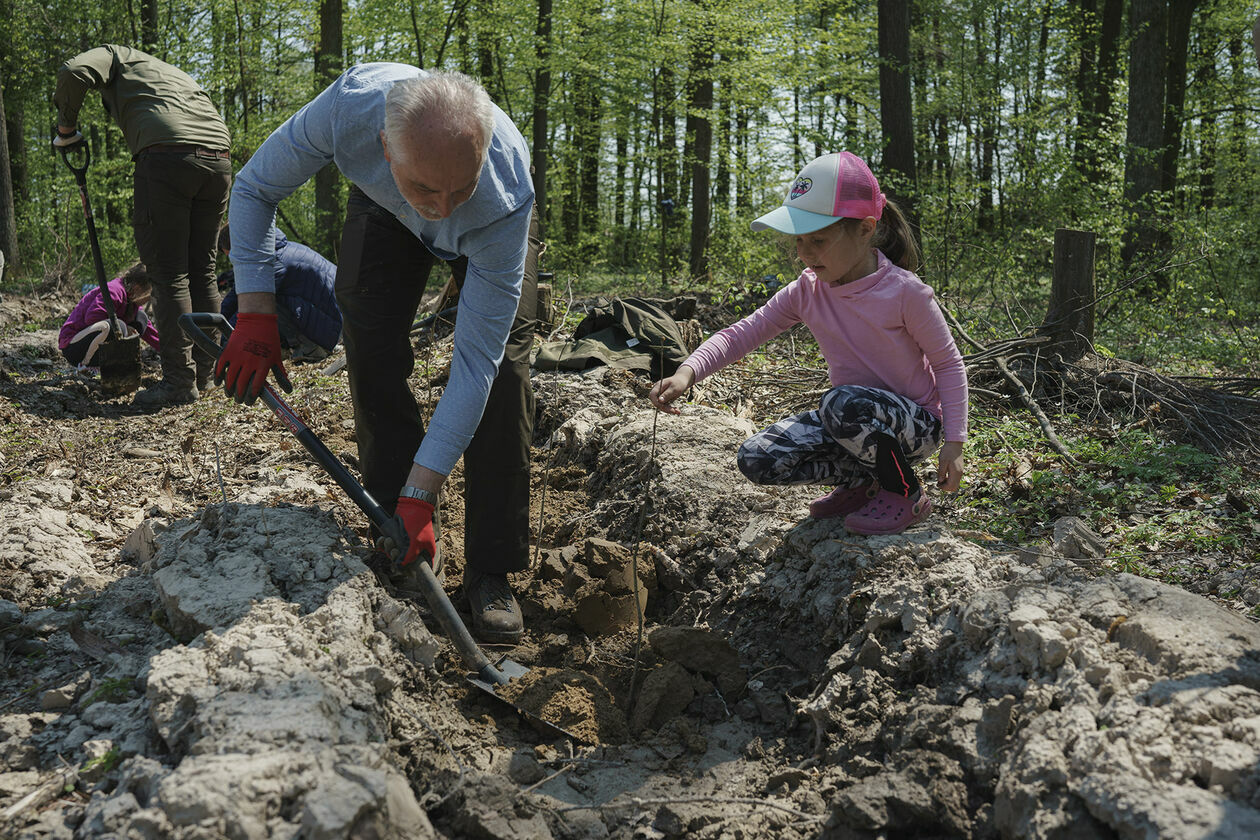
(343, 125)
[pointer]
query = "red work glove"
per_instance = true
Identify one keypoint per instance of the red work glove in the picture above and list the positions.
(252, 350)
(416, 518)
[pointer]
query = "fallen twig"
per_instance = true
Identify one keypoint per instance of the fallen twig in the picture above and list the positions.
(1046, 426)
(47, 791)
(637, 802)
(565, 769)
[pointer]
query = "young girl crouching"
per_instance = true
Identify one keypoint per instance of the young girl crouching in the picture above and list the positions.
(898, 384)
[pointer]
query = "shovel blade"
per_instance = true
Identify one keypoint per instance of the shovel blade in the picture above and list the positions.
(513, 670)
(120, 365)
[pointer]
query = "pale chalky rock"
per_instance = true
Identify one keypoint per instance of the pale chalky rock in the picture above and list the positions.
(274, 717)
(45, 545)
(1112, 704)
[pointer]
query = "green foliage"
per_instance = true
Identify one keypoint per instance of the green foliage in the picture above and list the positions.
(1156, 500)
(114, 690)
(1007, 151)
(790, 82)
(103, 763)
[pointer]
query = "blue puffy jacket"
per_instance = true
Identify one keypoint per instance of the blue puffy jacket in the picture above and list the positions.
(304, 288)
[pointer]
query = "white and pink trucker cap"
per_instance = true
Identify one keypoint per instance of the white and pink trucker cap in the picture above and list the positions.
(835, 186)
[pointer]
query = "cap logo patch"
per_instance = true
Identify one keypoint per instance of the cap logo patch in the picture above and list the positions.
(800, 187)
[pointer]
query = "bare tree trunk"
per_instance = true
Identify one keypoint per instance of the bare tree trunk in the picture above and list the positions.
(580, 208)
(669, 135)
(542, 94)
(485, 55)
(240, 59)
(588, 131)
(722, 180)
(896, 117)
(637, 170)
(1100, 50)
(1108, 60)
(987, 135)
(1207, 128)
(1148, 21)
(1237, 137)
(1180, 15)
(700, 135)
(622, 129)
(8, 217)
(13, 116)
(1083, 154)
(743, 195)
(328, 65)
(1255, 39)
(149, 26)
(667, 149)
(621, 237)
(940, 123)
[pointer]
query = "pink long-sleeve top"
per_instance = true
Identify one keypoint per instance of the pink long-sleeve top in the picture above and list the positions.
(91, 308)
(882, 331)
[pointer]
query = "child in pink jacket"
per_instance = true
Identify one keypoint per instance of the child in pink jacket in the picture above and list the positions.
(898, 385)
(88, 324)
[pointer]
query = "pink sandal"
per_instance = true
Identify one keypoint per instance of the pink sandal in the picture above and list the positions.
(888, 513)
(842, 501)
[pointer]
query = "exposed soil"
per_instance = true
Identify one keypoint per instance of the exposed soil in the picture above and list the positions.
(573, 700)
(195, 644)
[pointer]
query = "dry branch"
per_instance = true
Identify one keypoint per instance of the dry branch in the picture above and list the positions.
(47, 791)
(1217, 412)
(1046, 426)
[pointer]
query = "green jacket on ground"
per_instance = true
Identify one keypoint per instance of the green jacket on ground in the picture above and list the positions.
(152, 102)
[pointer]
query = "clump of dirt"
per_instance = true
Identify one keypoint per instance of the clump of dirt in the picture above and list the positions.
(572, 700)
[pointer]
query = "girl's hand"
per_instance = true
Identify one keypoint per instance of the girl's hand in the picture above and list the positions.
(950, 466)
(671, 388)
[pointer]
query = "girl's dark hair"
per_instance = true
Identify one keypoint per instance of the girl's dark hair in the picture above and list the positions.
(137, 277)
(894, 237)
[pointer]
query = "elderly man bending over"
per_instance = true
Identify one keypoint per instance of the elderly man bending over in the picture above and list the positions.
(437, 171)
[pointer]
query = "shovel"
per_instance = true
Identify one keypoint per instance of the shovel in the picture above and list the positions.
(488, 676)
(119, 355)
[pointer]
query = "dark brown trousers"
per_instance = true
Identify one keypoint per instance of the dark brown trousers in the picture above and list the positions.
(179, 200)
(382, 270)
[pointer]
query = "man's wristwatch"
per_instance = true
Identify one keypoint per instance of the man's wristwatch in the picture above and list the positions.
(409, 492)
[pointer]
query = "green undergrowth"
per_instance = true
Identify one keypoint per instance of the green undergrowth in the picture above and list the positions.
(1165, 508)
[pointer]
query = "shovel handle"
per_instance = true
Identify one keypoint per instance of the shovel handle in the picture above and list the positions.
(195, 324)
(80, 178)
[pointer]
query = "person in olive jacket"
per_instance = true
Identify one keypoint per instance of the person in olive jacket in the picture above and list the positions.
(183, 175)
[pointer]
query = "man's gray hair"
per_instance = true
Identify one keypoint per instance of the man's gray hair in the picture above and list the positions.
(441, 98)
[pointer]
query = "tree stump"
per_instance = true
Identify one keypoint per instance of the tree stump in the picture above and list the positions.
(1070, 317)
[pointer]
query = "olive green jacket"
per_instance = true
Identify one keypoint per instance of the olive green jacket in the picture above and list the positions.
(152, 102)
(627, 333)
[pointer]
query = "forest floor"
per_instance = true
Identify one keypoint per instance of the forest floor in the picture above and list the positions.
(193, 642)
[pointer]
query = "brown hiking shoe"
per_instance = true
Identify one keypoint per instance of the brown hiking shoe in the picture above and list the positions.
(164, 393)
(496, 617)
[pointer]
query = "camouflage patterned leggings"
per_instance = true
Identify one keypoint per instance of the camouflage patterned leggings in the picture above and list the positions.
(835, 445)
